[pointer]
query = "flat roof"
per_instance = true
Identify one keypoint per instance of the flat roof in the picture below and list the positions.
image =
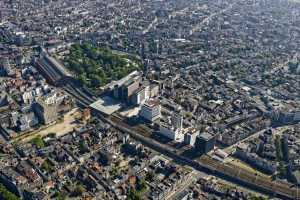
(121, 81)
(106, 105)
(152, 102)
(206, 136)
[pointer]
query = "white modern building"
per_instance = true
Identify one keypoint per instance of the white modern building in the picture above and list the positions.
(141, 95)
(173, 127)
(171, 132)
(151, 110)
(190, 137)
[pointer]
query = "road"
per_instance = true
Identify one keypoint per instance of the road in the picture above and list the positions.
(191, 178)
(151, 25)
(231, 148)
(207, 164)
(206, 21)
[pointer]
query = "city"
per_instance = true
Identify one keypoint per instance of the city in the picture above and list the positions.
(158, 100)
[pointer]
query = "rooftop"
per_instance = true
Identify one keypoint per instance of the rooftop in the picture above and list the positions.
(151, 103)
(206, 136)
(106, 105)
(121, 81)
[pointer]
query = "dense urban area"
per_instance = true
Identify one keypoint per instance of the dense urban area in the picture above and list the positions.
(149, 99)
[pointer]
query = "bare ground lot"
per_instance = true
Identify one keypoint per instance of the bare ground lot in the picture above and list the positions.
(60, 128)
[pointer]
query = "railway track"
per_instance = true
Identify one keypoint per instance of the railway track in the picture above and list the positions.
(50, 74)
(80, 96)
(205, 163)
(83, 95)
(272, 187)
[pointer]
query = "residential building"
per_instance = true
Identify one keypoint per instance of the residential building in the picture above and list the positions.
(46, 107)
(47, 113)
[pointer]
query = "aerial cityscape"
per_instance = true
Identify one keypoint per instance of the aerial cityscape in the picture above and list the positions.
(149, 99)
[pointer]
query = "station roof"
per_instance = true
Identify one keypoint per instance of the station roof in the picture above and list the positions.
(106, 105)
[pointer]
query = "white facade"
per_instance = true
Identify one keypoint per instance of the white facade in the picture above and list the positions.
(171, 133)
(150, 111)
(190, 137)
(143, 95)
(147, 94)
(154, 91)
(27, 97)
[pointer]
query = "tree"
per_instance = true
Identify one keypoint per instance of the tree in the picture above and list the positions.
(150, 176)
(188, 115)
(52, 135)
(96, 81)
(95, 66)
(79, 190)
(47, 167)
(83, 147)
(59, 196)
(114, 171)
(82, 79)
(141, 186)
(38, 142)
(7, 195)
(133, 195)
